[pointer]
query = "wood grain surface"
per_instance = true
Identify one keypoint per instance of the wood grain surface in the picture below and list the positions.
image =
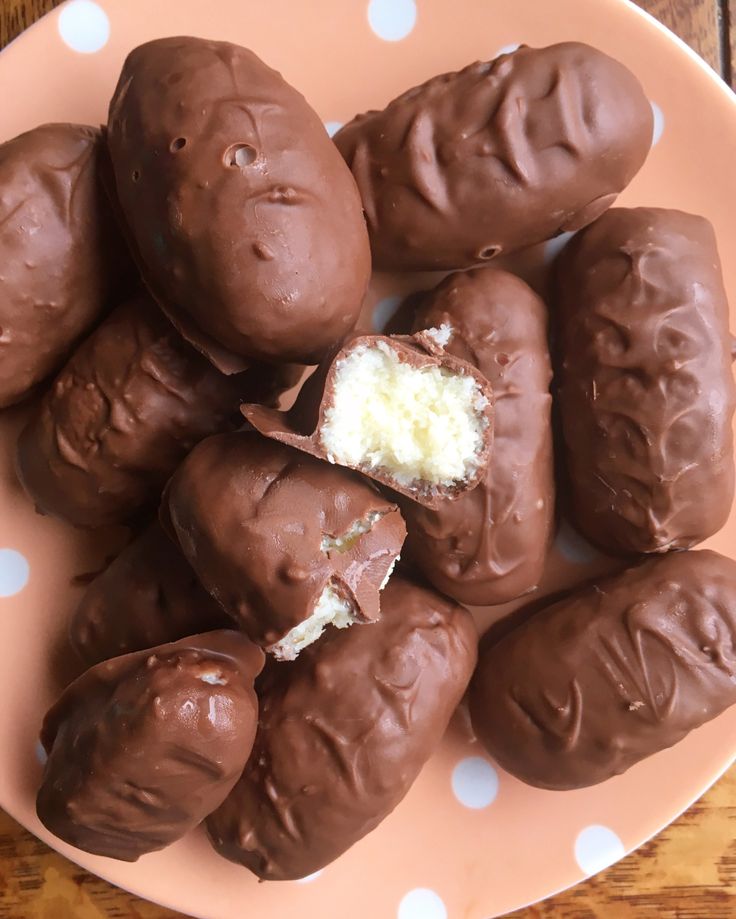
(687, 872)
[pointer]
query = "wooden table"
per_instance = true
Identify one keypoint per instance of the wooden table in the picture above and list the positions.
(688, 872)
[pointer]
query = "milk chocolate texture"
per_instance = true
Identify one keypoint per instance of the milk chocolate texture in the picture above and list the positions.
(621, 669)
(245, 221)
(498, 156)
(143, 747)
(646, 391)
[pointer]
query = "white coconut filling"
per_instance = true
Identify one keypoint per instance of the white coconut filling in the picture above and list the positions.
(419, 424)
(351, 536)
(440, 336)
(390, 571)
(331, 609)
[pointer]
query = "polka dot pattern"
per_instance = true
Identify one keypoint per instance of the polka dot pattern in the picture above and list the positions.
(84, 26)
(553, 248)
(658, 124)
(461, 786)
(41, 754)
(507, 49)
(392, 20)
(422, 903)
(475, 782)
(574, 547)
(596, 848)
(309, 878)
(14, 572)
(384, 312)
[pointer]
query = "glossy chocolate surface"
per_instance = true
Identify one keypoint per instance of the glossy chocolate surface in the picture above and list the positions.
(498, 156)
(143, 747)
(131, 402)
(621, 669)
(489, 546)
(646, 391)
(148, 596)
(344, 732)
(60, 252)
(252, 517)
(247, 225)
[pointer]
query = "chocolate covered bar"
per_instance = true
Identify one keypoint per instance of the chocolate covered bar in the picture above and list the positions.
(646, 393)
(285, 543)
(344, 732)
(60, 252)
(621, 669)
(148, 596)
(399, 409)
(498, 156)
(489, 545)
(143, 747)
(246, 223)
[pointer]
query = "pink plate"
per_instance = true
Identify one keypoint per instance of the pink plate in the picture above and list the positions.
(469, 842)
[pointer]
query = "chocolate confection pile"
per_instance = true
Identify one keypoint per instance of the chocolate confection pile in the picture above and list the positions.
(257, 662)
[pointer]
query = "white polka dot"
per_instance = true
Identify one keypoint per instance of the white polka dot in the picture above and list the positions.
(309, 878)
(596, 848)
(574, 547)
(384, 311)
(333, 127)
(392, 20)
(14, 572)
(507, 49)
(658, 123)
(422, 904)
(475, 782)
(553, 248)
(41, 753)
(84, 26)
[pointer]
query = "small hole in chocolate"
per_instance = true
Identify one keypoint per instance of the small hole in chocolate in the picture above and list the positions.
(178, 144)
(489, 252)
(136, 175)
(240, 155)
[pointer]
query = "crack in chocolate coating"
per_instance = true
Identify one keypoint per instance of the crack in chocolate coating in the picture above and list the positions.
(127, 408)
(498, 156)
(621, 669)
(646, 391)
(300, 427)
(344, 732)
(148, 596)
(489, 546)
(59, 250)
(247, 224)
(143, 747)
(251, 515)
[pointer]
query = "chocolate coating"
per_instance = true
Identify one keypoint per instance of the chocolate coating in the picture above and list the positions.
(300, 428)
(498, 156)
(344, 732)
(489, 545)
(59, 251)
(247, 224)
(646, 393)
(614, 673)
(250, 516)
(143, 747)
(148, 596)
(126, 409)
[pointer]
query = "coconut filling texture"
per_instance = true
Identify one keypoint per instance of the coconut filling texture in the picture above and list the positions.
(423, 425)
(331, 607)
